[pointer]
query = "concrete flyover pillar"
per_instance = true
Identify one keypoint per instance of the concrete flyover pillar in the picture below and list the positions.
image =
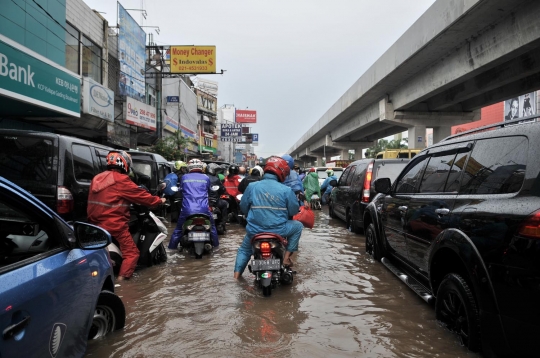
(417, 137)
(439, 133)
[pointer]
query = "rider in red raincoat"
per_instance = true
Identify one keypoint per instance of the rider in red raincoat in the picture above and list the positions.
(111, 194)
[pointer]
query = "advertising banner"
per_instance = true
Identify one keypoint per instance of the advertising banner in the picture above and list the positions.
(232, 139)
(231, 130)
(140, 114)
(119, 135)
(255, 139)
(240, 146)
(97, 100)
(131, 53)
(193, 59)
(173, 99)
(518, 107)
(208, 86)
(246, 116)
(171, 124)
(32, 78)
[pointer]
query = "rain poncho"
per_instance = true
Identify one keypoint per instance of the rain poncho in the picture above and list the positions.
(293, 182)
(311, 185)
(269, 205)
(195, 188)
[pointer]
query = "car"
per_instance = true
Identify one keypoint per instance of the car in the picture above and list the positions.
(57, 169)
(56, 280)
(354, 189)
(461, 226)
(321, 173)
(152, 166)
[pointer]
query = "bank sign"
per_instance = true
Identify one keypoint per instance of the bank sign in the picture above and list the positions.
(98, 100)
(32, 78)
(140, 114)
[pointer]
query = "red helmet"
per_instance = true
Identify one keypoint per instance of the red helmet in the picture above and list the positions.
(277, 166)
(312, 170)
(118, 159)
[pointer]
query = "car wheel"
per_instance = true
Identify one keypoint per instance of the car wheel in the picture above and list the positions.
(456, 308)
(331, 210)
(109, 315)
(372, 245)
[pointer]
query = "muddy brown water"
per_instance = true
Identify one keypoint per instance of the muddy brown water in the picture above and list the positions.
(341, 304)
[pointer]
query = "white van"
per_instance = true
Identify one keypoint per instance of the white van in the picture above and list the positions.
(321, 173)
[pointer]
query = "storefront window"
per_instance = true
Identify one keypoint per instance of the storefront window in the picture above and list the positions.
(91, 66)
(72, 49)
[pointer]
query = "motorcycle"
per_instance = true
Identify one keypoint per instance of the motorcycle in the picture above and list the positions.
(234, 208)
(196, 235)
(267, 265)
(148, 233)
(217, 214)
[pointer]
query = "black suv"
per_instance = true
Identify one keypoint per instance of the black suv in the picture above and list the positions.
(57, 169)
(461, 227)
(354, 189)
(153, 166)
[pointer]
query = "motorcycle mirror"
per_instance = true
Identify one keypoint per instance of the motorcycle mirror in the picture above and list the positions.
(174, 188)
(215, 187)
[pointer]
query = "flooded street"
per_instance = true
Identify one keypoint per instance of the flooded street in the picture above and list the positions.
(341, 304)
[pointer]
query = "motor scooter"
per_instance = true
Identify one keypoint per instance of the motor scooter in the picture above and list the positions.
(216, 213)
(267, 264)
(148, 233)
(196, 235)
(234, 208)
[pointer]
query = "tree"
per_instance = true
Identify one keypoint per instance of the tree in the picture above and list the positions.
(383, 145)
(171, 148)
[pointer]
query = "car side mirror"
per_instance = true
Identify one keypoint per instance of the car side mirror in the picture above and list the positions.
(333, 182)
(382, 185)
(91, 237)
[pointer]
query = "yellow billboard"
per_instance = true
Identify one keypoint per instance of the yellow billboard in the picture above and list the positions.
(193, 59)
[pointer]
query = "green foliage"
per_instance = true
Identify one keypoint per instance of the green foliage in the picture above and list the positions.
(171, 148)
(383, 145)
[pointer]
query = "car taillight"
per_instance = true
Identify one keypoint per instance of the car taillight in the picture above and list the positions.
(198, 221)
(531, 226)
(266, 250)
(64, 201)
(367, 184)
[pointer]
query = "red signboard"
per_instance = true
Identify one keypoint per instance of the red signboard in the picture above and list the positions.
(246, 116)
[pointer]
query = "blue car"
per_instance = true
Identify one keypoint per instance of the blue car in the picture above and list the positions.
(56, 280)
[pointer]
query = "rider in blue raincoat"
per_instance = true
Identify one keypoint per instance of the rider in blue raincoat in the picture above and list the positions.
(326, 188)
(195, 187)
(269, 205)
(292, 180)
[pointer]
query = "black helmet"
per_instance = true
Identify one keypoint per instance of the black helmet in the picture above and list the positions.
(233, 169)
(212, 168)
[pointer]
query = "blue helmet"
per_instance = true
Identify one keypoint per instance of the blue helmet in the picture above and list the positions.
(289, 160)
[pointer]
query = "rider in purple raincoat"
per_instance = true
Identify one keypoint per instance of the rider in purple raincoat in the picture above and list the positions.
(195, 187)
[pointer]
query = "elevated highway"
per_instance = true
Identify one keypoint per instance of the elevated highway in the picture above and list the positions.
(459, 56)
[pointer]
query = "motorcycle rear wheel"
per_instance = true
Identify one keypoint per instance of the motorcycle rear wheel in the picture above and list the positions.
(160, 255)
(267, 291)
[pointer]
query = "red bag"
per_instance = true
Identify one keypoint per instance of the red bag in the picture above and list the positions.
(306, 217)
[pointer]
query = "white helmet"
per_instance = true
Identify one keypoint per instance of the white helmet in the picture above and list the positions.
(258, 169)
(195, 165)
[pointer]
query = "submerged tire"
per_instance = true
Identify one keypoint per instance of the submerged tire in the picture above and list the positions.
(267, 291)
(109, 315)
(331, 211)
(159, 255)
(372, 245)
(456, 308)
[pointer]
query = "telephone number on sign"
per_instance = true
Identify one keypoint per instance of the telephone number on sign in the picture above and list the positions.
(193, 68)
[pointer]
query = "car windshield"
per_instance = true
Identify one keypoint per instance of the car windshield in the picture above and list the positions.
(25, 160)
(389, 170)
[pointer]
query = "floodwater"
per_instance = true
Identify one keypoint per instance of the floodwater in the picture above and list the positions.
(341, 304)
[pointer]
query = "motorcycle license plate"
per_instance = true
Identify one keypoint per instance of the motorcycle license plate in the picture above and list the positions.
(198, 236)
(265, 265)
(214, 216)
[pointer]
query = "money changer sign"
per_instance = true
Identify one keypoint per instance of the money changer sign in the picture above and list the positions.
(193, 59)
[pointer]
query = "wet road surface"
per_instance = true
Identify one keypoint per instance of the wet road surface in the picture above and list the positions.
(341, 304)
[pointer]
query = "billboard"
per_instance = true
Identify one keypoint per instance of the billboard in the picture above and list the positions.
(140, 114)
(131, 53)
(193, 59)
(208, 86)
(246, 116)
(521, 106)
(97, 100)
(231, 130)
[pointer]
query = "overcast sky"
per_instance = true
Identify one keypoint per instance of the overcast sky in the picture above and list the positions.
(290, 60)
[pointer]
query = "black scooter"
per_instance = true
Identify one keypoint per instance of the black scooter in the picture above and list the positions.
(267, 265)
(216, 213)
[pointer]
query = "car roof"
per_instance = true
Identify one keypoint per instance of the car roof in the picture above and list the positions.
(50, 135)
(148, 156)
(27, 195)
(326, 168)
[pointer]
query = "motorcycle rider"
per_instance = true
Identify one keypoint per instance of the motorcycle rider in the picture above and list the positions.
(231, 186)
(255, 174)
(269, 205)
(195, 187)
(311, 185)
(111, 193)
(292, 180)
(242, 172)
(215, 181)
(326, 187)
(173, 179)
